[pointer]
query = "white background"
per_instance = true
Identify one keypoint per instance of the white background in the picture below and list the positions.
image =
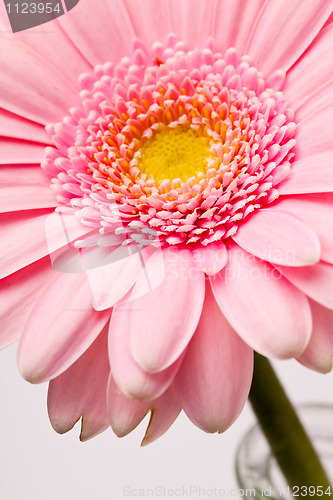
(38, 464)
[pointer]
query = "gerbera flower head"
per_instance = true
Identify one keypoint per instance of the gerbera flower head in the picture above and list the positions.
(185, 142)
(179, 219)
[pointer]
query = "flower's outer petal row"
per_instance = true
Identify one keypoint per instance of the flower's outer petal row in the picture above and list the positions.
(312, 70)
(215, 377)
(315, 210)
(284, 30)
(19, 293)
(99, 43)
(43, 232)
(125, 414)
(251, 294)
(24, 188)
(43, 352)
(319, 352)
(81, 392)
(280, 238)
(43, 95)
(315, 281)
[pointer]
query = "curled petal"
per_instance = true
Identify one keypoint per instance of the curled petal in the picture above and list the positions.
(125, 414)
(319, 352)
(316, 281)
(215, 377)
(133, 381)
(81, 392)
(155, 341)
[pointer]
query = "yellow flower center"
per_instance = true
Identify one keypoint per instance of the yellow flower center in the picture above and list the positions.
(176, 153)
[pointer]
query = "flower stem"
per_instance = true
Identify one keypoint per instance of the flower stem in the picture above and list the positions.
(288, 440)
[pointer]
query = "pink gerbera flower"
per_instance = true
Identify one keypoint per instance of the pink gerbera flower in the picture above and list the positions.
(182, 217)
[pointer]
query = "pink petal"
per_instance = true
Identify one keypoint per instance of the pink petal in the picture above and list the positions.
(30, 235)
(315, 281)
(284, 30)
(229, 23)
(269, 314)
(130, 378)
(237, 19)
(18, 294)
(151, 274)
(17, 127)
(149, 28)
(311, 70)
(18, 248)
(43, 95)
(313, 174)
(210, 259)
(125, 414)
(14, 152)
(4, 21)
(215, 377)
(313, 135)
(172, 309)
(56, 48)
(319, 352)
(25, 189)
(99, 44)
(110, 283)
(164, 412)
(316, 101)
(81, 392)
(186, 15)
(316, 212)
(62, 325)
(329, 20)
(279, 237)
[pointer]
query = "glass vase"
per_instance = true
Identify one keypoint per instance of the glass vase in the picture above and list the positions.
(257, 471)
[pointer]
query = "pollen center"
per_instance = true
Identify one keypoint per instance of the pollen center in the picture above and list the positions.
(178, 153)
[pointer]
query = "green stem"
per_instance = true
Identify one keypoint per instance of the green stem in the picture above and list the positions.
(288, 440)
